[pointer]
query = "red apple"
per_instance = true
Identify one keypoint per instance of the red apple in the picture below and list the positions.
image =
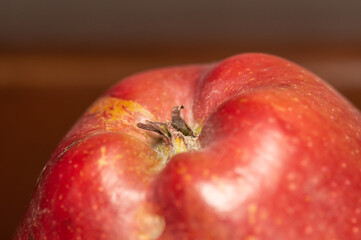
(266, 151)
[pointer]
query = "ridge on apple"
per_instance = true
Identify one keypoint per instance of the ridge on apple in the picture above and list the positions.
(253, 147)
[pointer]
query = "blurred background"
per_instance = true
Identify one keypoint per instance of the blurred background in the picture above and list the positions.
(56, 57)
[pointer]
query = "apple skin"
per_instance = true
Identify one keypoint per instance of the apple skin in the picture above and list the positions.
(280, 158)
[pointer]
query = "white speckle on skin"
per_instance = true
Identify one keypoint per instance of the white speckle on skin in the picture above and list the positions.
(291, 176)
(334, 184)
(358, 211)
(271, 120)
(304, 162)
(292, 186)
(102, 160)
(347, 182)
(308, 230)
(315, 180)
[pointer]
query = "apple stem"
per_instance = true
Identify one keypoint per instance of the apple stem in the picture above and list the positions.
(177, 135)
(179, 123)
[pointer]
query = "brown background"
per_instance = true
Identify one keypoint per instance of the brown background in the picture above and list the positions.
(56, 57)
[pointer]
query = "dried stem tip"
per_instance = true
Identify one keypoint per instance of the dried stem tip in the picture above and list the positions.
(176, 134)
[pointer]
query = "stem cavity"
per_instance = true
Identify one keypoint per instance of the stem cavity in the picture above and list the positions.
(176, 136)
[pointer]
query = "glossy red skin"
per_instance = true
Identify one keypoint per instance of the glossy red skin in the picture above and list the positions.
(280, 159)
